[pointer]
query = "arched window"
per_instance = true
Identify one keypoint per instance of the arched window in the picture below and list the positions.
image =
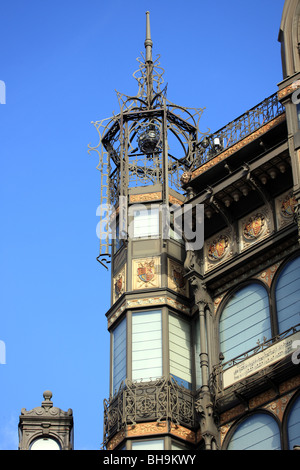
(258, 432)
(288, 296)
(244, 321)
(293, 425)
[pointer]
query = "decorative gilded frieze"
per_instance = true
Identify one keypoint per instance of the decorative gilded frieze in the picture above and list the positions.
(146, 273)
(176, 280)
(255, 227)
(147, 429)
(116, 440)
(285, 209)
(183, 433)
(138, 198)
(147, 302)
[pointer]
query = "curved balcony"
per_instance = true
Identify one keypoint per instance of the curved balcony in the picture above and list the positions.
(159, 400)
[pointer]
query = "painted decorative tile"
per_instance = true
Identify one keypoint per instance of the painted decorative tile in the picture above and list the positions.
(146, 273)
(176, 280)
(119, 284)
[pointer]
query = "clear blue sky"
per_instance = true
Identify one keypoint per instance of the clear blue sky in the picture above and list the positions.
(61, 62)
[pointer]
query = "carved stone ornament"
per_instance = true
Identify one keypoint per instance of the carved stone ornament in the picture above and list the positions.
(46, 408)
(185, 177)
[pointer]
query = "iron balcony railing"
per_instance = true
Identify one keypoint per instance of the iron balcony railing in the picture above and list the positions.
(159, 400)
(236, 130)
(216, 378)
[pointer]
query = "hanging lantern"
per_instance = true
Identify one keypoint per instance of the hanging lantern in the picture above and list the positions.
(149, 139)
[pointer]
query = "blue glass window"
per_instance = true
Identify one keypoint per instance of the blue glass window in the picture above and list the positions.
(119, 354)
(155, 444)
(294, 425)
(146, 345)
(245, 321)
(258, 432)
(146, 223)
(288, 296)
(180, 350)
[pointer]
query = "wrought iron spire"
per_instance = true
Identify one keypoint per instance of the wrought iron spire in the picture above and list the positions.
(149, 61)
(148, 41)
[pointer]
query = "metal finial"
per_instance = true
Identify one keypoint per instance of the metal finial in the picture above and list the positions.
(148, 41)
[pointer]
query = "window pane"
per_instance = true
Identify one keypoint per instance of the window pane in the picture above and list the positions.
(146, 345)
(178, 446)
(180, 350)
(288, 296)
(146, 223)
(157, 444)
(294, 425)
(259, 432)
(244, 321)
(119, 354)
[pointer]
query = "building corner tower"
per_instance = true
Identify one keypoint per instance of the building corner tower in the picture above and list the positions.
(146, 153)
(202, 235)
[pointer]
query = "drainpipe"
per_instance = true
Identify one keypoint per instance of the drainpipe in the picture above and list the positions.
(204, 404)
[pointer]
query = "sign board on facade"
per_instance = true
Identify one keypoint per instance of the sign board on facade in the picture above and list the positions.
(259, 361)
